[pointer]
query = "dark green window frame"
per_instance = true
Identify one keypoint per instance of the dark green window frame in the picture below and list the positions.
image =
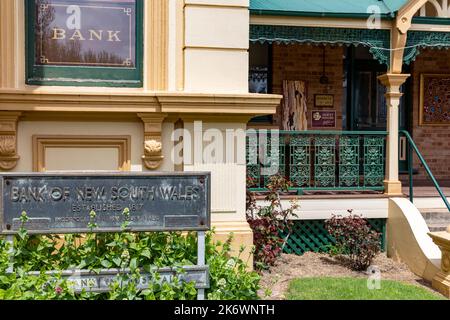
(82, 76)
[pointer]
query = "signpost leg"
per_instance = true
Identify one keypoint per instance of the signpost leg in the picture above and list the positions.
(10, 240)
(201, 259)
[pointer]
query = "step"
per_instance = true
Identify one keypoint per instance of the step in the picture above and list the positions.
(436, 219)
(436, 215)
(435, 227)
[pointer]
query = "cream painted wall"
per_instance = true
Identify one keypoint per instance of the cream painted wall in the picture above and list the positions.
(225, 27)
(27, 129)
(216, 71)
(228, 178)
(408, 240)
(204, 49)
(216, 46)
(62, 159)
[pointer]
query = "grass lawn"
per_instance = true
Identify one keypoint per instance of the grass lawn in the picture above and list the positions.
(323, 288)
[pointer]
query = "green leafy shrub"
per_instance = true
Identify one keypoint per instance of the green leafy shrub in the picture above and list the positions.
(229, 278)
(355, 239)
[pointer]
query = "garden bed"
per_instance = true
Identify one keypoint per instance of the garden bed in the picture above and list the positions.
(275, 282)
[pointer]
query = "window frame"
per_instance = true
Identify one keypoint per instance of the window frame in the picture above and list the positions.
(82, 75)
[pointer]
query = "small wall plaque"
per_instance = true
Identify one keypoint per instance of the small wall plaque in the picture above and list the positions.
(323, 119)
(324, 100)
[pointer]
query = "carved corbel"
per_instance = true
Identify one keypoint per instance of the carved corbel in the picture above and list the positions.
(152, 157)
(8, 140)
(406, 13)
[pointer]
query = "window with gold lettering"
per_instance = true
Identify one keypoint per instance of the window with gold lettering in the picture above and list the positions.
(84, 42)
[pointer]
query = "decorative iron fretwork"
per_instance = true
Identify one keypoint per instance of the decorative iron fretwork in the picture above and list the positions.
(275, 163)
(318, 160)
(300, 161)
(373, 160)
(253, 166)
(349, 161)
(377, 40)
(325, 161)
(417, 40)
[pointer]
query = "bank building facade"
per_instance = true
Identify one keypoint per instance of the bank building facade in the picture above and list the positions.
(357, 94)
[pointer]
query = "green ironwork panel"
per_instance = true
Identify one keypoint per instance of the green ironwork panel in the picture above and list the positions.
(300, 161)
(317, 160)
(276, 156)
(374, 160)
(349, 161)
(253, 166)
(311, 235)
(424, 39)
(325, 161)
(377, 40)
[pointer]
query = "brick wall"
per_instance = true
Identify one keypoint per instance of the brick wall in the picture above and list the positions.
(304, 62)
(433, 141)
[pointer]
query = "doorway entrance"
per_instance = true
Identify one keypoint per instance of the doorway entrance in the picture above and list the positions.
(366, 103)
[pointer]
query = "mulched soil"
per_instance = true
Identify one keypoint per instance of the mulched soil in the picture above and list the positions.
(289, 267)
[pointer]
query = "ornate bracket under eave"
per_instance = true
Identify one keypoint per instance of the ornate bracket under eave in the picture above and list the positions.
(8, 140)
(406, 13)
(152, 157)
(399, 33)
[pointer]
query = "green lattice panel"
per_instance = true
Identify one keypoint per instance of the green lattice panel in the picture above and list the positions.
(311, 235)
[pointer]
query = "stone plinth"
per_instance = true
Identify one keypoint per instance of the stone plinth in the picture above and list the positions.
(441, 280)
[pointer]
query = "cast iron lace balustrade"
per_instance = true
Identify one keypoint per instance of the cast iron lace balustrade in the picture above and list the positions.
(317, 160)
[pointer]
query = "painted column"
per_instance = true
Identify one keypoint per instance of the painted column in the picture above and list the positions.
(219, 147)
(392, 82)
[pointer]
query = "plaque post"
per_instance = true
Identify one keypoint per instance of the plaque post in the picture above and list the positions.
(10, 240)
(201, 259)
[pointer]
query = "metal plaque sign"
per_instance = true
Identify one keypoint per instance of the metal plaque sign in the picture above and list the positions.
(62, 203)
(101, 281)
(323, 119)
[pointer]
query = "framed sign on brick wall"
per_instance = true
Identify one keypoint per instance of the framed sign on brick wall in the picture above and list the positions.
(434, 106)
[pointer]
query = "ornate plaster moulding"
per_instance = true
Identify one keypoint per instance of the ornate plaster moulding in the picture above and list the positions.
(152, 157)
(8, 140)
(139, 101)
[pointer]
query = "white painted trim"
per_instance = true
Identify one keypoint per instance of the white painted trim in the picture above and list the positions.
(430, 27)
(317, 209)
(430, 203)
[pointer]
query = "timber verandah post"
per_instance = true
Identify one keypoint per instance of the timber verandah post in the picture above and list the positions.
(392, 82)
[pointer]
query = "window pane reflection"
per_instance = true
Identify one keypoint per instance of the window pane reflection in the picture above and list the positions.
(85, 33)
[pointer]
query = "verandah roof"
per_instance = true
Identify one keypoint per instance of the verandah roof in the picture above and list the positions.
(330, 8)
(377, 40)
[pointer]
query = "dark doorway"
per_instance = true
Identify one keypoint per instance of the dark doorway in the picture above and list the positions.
(366, 103)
